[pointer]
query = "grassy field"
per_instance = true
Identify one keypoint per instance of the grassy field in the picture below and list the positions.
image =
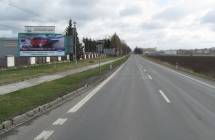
(204, 65)
(21, 101)
(19, 74)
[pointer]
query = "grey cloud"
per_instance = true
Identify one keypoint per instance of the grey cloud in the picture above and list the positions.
(101, 17)
(13, 14)
(33, 8)
(171, 14)
(209, 17)
(79, 10)
(24, 11)
(82, 9)
(79, 13)
(130, 11)
(153, 26)
(80, 2)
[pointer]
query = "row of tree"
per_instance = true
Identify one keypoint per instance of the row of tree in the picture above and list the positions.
(120, 45)
(90, 44)
(114, 42)
(138, 50)
(71, 31)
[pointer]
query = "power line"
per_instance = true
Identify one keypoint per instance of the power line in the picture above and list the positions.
(23, 9)
(9, 26)
(28, 11)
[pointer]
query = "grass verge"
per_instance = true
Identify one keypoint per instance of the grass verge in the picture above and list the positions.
(19, 74)
(189, 71)
(21, 101)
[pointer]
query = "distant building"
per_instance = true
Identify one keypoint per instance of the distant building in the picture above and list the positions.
(184, 52)
(8, 46)
(149, 51)
(201, 51)
(110, 51)
(170, 52)
(100, 45)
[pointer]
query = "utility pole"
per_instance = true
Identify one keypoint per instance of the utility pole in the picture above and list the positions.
(99, 62)
(74, 33)
(99, 49)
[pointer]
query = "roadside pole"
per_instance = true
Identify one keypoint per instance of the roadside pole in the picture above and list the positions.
(74, 33)
(99, 62)
(99, 50)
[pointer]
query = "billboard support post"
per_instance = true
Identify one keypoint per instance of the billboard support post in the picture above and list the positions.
(32, 60)
(67, 57)
(99, 50)
(59, 58)
(48, 60)
(99, 62)
(10, 61)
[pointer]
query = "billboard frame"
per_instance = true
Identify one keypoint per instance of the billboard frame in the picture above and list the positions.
(18, 44)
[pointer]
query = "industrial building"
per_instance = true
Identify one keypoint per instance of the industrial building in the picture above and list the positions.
(8, 46)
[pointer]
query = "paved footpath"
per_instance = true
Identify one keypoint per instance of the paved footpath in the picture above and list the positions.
(5, 89)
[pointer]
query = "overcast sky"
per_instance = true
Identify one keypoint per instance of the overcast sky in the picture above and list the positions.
(165, 24)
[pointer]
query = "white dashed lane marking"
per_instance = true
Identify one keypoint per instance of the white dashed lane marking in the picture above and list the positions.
(44, 135)
(60, 121)
(150, 77)
(164, 96)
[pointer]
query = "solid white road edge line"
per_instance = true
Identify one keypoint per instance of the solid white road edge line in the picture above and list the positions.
(183, 75)
(164, 96)
(150, 77)
(93, 92)
(44, 135)
(60, 121)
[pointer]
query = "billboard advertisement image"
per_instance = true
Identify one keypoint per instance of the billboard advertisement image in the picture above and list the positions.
(38, 44)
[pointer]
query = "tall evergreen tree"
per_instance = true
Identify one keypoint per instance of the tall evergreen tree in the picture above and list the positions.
(69, 29)
(72, 32)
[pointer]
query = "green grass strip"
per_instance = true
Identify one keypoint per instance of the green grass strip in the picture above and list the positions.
(23, 73)
(21, 101)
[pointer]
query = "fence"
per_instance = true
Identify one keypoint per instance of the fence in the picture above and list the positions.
(25, 61)
(3, 62)
(11, 61)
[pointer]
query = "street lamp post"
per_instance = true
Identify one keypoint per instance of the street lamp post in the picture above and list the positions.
(99, 62)
(74, 33)
(99, 49)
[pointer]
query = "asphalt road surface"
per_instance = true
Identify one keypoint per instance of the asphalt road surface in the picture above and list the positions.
(141, 101)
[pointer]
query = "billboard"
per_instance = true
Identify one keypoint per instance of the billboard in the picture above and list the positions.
(40, 44)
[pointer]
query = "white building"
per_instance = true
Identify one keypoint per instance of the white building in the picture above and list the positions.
(170, 52)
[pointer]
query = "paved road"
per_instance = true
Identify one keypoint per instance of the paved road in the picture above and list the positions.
(5, 89)
(142, 101)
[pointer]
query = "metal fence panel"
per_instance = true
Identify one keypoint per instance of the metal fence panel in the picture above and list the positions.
(22, 61)
(2, 62)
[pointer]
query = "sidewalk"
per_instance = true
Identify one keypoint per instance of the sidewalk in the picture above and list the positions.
(5, 89)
